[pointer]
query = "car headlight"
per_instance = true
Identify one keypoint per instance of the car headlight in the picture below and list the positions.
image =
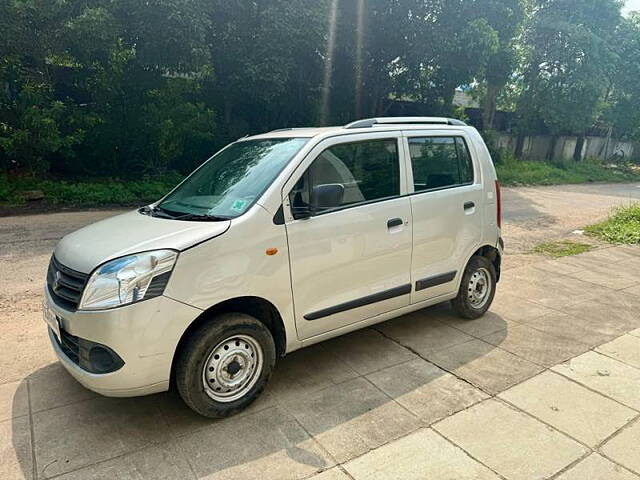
(128, 279)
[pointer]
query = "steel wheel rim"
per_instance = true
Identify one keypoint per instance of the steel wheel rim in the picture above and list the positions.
(232, 368)
(479, 288)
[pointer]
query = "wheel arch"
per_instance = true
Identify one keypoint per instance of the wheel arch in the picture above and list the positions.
(258, 307)
(492, 254)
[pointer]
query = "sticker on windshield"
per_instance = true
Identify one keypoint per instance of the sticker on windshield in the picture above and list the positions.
(238, 205)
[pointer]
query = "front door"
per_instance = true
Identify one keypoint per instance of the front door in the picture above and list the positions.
(349, 233)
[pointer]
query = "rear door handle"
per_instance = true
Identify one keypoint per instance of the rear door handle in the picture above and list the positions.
(469, 205)
(394, 222)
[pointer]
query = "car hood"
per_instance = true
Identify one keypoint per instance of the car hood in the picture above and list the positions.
(133, 232)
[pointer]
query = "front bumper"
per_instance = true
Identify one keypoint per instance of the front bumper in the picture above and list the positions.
(144, 335)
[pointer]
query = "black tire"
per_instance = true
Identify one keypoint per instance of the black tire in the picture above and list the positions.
(462, 304)
(194, 355)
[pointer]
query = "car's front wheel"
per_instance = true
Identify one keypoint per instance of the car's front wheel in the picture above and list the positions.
(225, 364)
(477, 288)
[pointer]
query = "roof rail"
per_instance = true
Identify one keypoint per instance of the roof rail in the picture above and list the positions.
(281, 130)
(370, 122)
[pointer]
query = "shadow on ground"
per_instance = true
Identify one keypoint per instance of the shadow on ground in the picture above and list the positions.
(324, 404)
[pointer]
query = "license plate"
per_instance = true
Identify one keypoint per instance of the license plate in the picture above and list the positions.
(52, 320)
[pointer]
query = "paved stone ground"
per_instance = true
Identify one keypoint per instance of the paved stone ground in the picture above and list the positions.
(547, 385)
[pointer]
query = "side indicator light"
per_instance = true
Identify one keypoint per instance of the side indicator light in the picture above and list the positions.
(271, 251)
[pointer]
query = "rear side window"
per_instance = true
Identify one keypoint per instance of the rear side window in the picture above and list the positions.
(363, 171)
(440, 162)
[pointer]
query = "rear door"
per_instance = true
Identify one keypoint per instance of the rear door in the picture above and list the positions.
(447, 212)
(350, 262)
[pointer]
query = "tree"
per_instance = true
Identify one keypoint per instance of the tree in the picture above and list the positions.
(267, 62)
(506, 17)
(372, 35)
(569, 54)
(623, 101)
(142, 86)
(82, 77)
(448, 44)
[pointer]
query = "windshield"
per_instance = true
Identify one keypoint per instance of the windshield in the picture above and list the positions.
(232, 180)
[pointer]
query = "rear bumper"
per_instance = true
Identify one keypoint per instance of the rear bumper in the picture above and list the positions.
(500, 248)
(144, 335)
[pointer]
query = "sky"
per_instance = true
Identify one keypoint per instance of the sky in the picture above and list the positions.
(632, 5)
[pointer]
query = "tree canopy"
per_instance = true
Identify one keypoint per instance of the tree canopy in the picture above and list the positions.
(95, 87)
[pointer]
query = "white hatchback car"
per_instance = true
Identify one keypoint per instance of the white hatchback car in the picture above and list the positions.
(277, 242)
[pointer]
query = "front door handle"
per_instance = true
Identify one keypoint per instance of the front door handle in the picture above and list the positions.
(394, 222)
(469, 205)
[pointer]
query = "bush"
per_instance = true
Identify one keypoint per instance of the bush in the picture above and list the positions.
(622, 227)
(89, 193)
(499, 155)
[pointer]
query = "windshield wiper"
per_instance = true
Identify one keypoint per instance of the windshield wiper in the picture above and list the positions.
(170, 214)
(155, 212)
(203, 217)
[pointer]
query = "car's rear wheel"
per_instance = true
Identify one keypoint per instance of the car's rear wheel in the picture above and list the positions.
(225, 364)
(477, 288)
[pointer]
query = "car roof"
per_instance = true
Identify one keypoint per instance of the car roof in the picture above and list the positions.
(366, 126)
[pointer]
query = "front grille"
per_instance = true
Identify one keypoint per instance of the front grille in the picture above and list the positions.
(65, 285)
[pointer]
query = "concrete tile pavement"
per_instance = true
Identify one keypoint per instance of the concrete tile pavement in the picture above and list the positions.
(623, 448)
(596, 467)
(625, 348)
(569, 407)
(425, 390)
(555, 374)
(352, 419)
(266, 444)
(14, 400)
(482, 364)
(537, 347)
(157, 462)
(510, 442)
(423, 454)
(604, 375)
(84, 433)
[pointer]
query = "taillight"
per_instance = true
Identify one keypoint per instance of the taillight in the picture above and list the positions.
(498, 205)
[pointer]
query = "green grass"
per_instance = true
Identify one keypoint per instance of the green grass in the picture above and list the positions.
(519, 173)
(562, 248)
(621, 227)
(87, 193)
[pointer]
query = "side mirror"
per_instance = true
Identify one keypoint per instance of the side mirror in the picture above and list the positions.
(301, 212)
(325, 197)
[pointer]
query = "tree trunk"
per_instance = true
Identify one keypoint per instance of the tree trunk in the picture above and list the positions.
(577, 153)
(447, 99)
(552, 148)
(519, 147)
(375, 106)
(489, 106)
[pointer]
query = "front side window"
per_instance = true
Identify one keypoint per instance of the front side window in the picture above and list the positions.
(440, 162)
(232, 180)
(348, 174)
